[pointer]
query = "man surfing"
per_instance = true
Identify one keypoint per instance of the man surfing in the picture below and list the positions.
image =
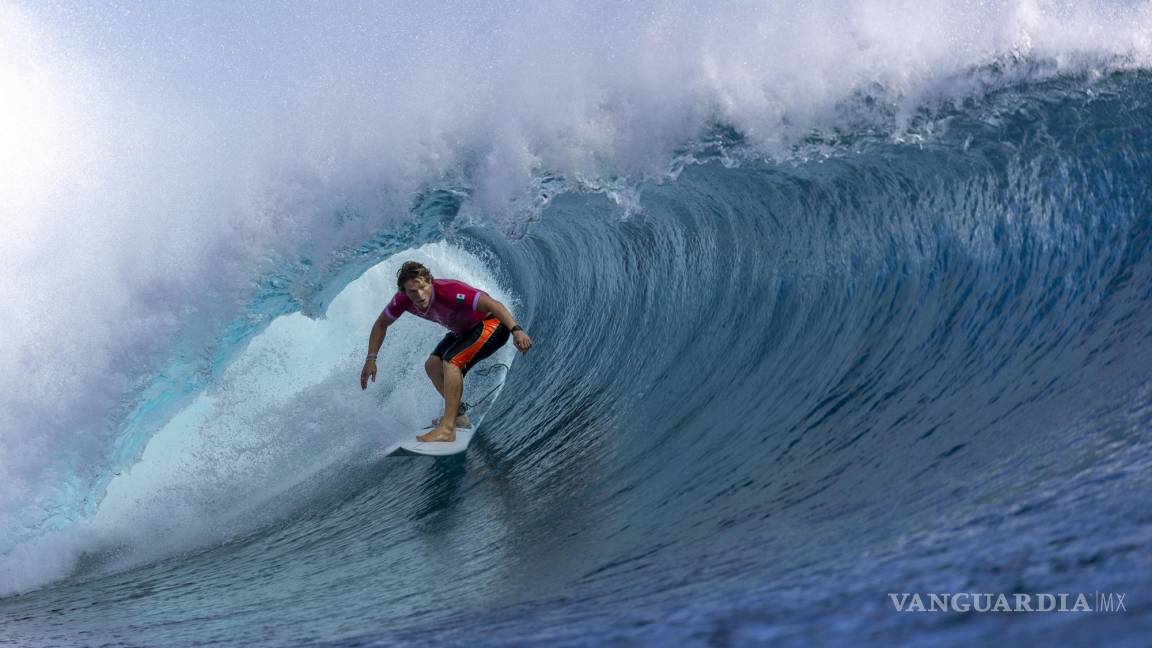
(477, 326)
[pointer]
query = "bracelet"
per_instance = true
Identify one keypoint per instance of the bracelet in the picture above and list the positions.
(515, 328)
(371, 356)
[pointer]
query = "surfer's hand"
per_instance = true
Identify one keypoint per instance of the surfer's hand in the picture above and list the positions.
(368, 370)
(522, 341)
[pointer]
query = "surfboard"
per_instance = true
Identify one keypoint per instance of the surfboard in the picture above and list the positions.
(412, 447)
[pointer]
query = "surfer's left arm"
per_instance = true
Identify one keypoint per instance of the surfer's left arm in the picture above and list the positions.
(519, 337)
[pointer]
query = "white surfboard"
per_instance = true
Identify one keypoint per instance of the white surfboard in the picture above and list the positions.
(411, 446)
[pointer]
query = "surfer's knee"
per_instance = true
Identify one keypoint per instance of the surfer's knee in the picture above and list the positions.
(434, 366)
(447, 366)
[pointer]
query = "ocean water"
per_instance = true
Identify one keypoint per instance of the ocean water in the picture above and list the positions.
(830, 302)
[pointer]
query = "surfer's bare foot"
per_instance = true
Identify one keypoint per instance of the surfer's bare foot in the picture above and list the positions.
(439, 434)
(461, 421)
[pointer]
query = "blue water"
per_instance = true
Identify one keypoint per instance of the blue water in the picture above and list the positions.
(766, 391)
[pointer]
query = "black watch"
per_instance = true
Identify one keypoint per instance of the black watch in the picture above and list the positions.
(516, 328)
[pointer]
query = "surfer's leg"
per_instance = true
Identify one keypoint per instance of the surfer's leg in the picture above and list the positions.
(453, 390)
(458, 353)
(434, 367)
(453, 386)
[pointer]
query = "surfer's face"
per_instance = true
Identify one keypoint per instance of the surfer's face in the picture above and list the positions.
(419, 290)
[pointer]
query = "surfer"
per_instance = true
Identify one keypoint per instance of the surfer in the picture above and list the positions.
(477, 326)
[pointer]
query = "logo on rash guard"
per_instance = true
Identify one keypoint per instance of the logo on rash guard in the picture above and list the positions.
(460, 297)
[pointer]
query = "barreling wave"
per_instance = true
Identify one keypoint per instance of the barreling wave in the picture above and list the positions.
(903, 347)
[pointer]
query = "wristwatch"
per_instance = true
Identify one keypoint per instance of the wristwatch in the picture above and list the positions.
(516, 328)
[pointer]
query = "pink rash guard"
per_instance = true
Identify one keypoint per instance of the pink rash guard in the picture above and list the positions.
(453, 305)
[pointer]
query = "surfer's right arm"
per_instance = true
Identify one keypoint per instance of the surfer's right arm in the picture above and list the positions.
(375, 341)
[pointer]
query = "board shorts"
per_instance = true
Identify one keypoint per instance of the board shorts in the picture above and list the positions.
(466, 349)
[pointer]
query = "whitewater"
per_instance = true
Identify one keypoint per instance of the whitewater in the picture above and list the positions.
(834, 305)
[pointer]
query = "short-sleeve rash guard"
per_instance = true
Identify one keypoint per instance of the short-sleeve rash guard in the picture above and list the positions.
(453, 305)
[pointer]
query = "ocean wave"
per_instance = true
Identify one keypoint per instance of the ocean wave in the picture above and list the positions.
(904, 266)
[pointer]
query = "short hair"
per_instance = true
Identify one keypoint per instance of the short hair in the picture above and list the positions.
(411, 270)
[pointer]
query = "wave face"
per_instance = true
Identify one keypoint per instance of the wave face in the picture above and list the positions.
(883, 328)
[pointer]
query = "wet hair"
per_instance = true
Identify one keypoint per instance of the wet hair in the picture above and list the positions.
(411, 270)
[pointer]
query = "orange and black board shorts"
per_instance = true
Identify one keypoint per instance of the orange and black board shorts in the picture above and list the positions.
(466, 349)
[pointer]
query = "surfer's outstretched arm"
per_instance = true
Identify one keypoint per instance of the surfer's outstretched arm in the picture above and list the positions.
(375, 341)
(519, 337)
